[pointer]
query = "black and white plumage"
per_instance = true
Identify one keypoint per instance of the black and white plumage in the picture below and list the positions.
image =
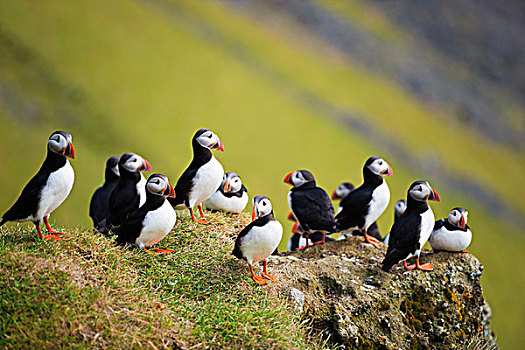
(231, 196)
(99, 205)
(411, 231)
(310, 204)
(130, 192)
(363, 206)
(399, 209)
(48, 188)
(150, 223)
(298, 241)
(202, 177)
(451, 234)
(257, 241)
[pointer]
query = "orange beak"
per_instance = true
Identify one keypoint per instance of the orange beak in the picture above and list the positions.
(169, 192)
(295, 228)
(335, 196)
(389, 172)
(226, 185)
(288, 179)
(69, 151)
(145, 166)
(218, 147)
(433, 196)
(462, 222)
(291, 217)
(255, 212)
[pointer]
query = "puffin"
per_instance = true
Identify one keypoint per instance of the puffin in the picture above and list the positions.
(202, 177)
(399, 209)
(150, 223)
(98, 207)
(340, 193)
(297, 240)
(231, 196)
(310, 205)
(411, 231)
(48, 188)
(363, 206)
(260, 238)
(452, 234)
(130, 192)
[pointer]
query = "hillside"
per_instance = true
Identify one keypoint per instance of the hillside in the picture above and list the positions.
(282, 91)
(84, 291)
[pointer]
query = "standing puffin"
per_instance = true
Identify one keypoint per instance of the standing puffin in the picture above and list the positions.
(399, 209)
(298, 242)
(150, 223)
(231, 196)
(451, 234)
(99, 205)
(257, 241)
(48, 188)
(202, 177)
(363, 206)
(411, 231)
(130, 192)
(310, 205)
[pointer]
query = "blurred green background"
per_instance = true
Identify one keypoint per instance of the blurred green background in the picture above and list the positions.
(436, 89)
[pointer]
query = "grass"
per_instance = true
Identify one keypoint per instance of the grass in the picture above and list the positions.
(84, 291)
(143, 76)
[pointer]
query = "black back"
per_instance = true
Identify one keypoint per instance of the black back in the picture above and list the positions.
(184, 186)
(130, 229)
(99, 205)
(28, 202)
(405, 233)
(259, 222)
(124, 198)
(313, 209)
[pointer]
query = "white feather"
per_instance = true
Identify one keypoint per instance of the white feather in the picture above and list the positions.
(234, 204)
(156, 225)
(206, 181)
(261, 241)
(378, 204)
(141, 190)
(452, 241)
(427, 225)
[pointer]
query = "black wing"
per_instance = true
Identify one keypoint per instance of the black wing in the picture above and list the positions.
(355, 208)
(121, 204)
(98, 207)
(313, 209)
(27, 203)
(404, 238)
(130, 229)
(183, 187)
(439, 224)
(237, 248)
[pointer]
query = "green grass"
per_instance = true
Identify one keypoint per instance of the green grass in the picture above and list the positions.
(84, 291)
(129, 76)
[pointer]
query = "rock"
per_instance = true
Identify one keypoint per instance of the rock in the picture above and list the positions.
(341, 290)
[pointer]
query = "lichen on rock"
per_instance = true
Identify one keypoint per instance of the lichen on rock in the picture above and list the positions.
(346, 297)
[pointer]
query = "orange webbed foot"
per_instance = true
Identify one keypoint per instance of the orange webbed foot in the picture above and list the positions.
(261, 281)
(270, 277)
(52, 237)
(426, 267)
(408, 267)
(373, 241)
(465, 251)
(163, 251)
(201, 221)
(303, 247)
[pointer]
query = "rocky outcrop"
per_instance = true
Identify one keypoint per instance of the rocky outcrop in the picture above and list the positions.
(340, 290)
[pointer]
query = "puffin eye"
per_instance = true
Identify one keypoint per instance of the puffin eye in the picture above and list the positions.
(380, 163)
(209, 136)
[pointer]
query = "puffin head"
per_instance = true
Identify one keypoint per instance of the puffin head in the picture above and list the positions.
(112, 165)
(61, 143)
(378, 166)
(207, 139)
(400, 207)
(458, 217)
(421, 191)
(261, 207)
(231, 182)
(159, 185)
(342, 190)
(299, 178)
(133, 163)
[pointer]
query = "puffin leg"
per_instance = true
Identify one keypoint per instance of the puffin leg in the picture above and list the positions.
(372, 240)
(49, 229)
(162, 251)
(408, 267)
(266, 275)
(322, 241)
(201, 221)
(202, 212)
(424, 267)
(307, 242)
(53, 237)
(261, 281)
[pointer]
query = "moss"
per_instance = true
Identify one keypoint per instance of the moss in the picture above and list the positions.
(384, 305)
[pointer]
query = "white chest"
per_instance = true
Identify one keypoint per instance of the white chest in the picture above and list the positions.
(261, 242)
(141, 190)
(56, 190)
(206, 181)
(156, 225)
(378, 204)
(218, 201)
(452, 241)
(427, 225)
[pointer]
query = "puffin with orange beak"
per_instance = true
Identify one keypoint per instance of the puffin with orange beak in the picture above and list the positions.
(48, 188)
(150, 223)
(452, 234)
(411, 231)
(202, 177)
(310, 205)
(231, 196)
(257, 241)
(363, 206)
(130, 192)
